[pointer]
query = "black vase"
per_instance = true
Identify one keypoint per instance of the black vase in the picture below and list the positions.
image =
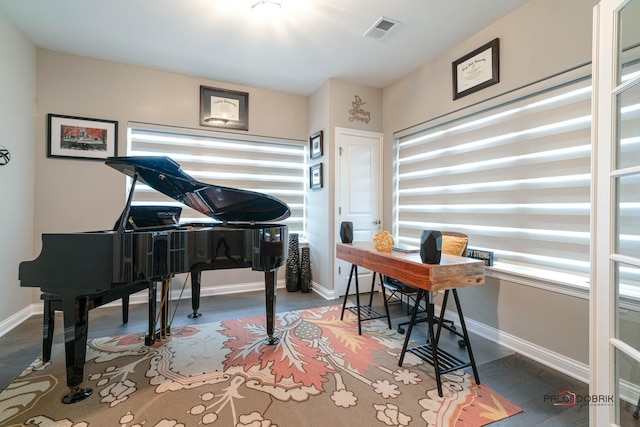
(292, 274)
(346, 232)
(305, 270)
(431, 246)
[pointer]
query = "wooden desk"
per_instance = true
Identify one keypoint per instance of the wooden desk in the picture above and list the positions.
(452, 273)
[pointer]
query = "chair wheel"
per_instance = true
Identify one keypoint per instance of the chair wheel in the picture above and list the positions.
(400, 330)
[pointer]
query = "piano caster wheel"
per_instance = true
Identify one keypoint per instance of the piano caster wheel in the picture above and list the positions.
(194, 315)
(271, 341)
(77, 394)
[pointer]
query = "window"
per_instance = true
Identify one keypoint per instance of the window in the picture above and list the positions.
(512, 173)
(268, 166)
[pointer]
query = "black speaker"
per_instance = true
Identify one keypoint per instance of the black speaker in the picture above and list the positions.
(346, 232)
(431, 246)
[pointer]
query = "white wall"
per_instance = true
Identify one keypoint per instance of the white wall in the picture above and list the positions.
(17, 105)
(540, 39)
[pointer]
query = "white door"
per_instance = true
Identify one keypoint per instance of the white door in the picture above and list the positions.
(615, 267)
(359, 191)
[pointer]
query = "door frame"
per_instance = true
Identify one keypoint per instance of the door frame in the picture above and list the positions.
(604, 342)
(339, 131)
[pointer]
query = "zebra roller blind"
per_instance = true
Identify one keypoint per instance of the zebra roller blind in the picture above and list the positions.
(268, 166)
(515, 177)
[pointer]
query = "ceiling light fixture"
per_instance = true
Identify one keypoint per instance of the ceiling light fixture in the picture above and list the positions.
(264, 4)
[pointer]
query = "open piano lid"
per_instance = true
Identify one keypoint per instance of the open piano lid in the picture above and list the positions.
(220, 203)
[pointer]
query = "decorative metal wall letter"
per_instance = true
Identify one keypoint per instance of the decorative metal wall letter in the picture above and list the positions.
(357, 113)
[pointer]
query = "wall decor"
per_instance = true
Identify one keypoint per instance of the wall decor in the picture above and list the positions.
(5, 156)
(477, 70)
(315, 176)
(358, 113)
(81, 137)
(222, 108)
(315, 145)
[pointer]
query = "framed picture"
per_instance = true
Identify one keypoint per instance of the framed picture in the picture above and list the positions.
(223, 108)
(315, 176)
(80, 137)
(477, 70)
(315, 145)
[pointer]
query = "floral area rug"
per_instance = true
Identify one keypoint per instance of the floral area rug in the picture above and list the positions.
(322, 373)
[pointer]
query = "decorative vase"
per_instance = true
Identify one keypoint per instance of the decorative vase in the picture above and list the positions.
(292, 275)
(305, 273)
(346, 232)
(431, 246)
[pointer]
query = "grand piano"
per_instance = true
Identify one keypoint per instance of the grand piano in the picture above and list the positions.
(147, 247)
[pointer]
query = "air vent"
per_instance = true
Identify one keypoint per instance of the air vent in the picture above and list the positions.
(381, 28)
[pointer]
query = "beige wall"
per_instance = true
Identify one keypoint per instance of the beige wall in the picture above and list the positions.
(79, 195)
(330, 108)
(17, 103)
(540, 39)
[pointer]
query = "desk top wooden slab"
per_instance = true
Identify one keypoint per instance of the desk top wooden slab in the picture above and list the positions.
(452, 272)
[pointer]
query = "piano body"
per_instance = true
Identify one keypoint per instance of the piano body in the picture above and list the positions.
(148, 246)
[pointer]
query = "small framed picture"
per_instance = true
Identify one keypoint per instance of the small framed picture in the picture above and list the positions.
(223, 108)
(315, 176)
(81, 138)
(477, 70)
(315, 145)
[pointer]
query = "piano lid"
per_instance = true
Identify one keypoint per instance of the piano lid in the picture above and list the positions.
(220, 203)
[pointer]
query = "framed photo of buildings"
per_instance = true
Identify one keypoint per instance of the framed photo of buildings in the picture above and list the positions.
(80, 137)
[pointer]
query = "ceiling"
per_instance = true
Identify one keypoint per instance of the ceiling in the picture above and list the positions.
(294, 50)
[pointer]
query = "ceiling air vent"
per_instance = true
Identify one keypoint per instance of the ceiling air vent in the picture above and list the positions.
(381, 28)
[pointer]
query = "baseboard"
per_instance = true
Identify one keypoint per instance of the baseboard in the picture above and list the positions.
(553, 360)
(205, 291)
(15, 320)
(323, 292)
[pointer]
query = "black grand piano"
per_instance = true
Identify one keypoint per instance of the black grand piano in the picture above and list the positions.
(148, 246)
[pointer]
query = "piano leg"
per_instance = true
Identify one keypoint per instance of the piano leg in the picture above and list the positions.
(196, 277)
(270, 294)
(153, 294)
(76, 322)
(165, 327)
(47, 328)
